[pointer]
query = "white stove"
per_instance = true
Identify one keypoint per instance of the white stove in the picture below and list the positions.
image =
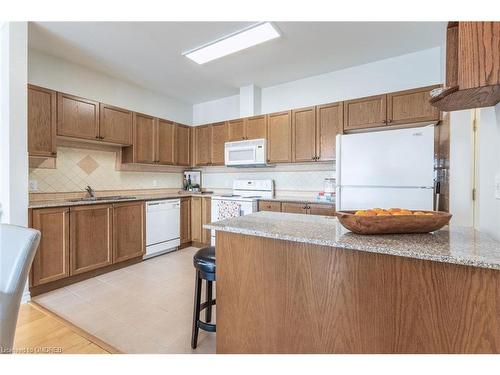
(243, 200)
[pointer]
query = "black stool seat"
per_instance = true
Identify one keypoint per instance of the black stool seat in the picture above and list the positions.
(204, 260)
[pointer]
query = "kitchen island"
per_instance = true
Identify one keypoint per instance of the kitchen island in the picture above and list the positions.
(292, 283)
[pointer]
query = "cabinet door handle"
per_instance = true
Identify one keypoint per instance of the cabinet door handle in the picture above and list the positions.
(389, 121)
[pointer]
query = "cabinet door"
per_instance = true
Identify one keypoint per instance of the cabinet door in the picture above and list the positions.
(329, 122)
(166, 142)
(270, 206)
(77, 117)
(321, 209)
(219, 138)
(203, 141)
(182, 145)
(52, 257)
(294, 208)
(90, 237)
(369, 112)
(116, 124)
(128, 231)
(304, 134)
(411, 106)
(196, 219)
(206, 218)
(42, 123)
(256, 127)
(185, 220)
(279, 137)
(144, 142)
(236, 130)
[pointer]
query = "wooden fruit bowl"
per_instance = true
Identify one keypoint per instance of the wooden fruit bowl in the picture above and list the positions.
(393, 224)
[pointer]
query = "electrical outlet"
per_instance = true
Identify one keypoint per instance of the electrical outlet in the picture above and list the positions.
(497, 186)
(33, 185)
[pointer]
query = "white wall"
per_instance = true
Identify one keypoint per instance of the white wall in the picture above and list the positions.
(217, 110)
(61, 75)
(13, 126)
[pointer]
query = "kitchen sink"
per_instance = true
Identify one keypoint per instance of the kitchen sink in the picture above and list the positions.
(97, 199)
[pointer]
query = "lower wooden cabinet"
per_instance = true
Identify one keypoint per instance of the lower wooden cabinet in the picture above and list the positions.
(128, 231)
(200, 215)
(323, 209)
(294, 208)
(270, 206)
(91, 244)
(185, 229)
(206, 218)
(51, 261)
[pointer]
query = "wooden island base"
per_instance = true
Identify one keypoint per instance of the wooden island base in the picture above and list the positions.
(276, 296)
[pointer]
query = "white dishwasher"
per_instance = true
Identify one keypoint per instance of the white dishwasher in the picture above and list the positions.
(162, 226)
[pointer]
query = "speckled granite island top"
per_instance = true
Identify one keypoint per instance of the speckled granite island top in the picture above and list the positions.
(457, 245)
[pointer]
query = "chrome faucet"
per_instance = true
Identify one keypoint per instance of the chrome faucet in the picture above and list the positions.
(90, 191)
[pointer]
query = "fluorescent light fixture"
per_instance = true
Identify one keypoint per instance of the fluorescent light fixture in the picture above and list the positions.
(249, 37)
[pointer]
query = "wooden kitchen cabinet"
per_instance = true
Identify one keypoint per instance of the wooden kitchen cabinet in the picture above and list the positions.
(219, 138)
(115, 124)
(273, 206)
(128, 231)
(236, 130)
(279, 137)
(42, 121)
(304, 134)
(206, 218)
(51, 261)
(411, 106)
(203, 139)
(196, 220)
(329, 123)
(145, 141)
(256, 127)
(165, 142)
(91, 244)
(294, 208)
(369, 112)
(185, 229)
(321, 209)
(77, 117)
(182, 145)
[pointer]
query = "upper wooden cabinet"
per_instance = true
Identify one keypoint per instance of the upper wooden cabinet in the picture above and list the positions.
(472, 66)
(182, 145)
(203, 137)
(304, 134)
(236, 130)
(52, 257)
(116, 124)
(329, 123)
(369, 112)
(279, 137)
(128, 231)
(42, 115)
(77, 117)
(219, 138)
(165, 142)
(90, 237)
(144, 139)
(411, 106)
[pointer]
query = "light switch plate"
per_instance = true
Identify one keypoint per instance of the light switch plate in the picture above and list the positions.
(497, 186)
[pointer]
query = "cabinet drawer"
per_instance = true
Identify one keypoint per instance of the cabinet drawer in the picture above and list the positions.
(294, 208)
(321, 209)
(270, 206)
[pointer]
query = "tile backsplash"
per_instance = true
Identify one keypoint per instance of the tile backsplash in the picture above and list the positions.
(76, 168)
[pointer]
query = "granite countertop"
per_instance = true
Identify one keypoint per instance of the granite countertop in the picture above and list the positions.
(457, 245)
(138, 197)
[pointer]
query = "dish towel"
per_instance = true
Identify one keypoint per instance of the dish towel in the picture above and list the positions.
(228, 209)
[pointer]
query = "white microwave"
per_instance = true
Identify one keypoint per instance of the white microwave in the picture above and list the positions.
(251, 153)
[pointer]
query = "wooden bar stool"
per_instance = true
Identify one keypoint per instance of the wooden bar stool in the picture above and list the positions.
(204, 263)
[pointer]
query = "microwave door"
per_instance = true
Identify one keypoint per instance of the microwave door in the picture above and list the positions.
(240, 155)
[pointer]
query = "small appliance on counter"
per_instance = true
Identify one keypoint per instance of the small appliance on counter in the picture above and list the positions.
(192, 181)
(328, 193)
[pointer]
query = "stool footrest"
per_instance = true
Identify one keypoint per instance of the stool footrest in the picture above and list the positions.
(204, 305)
(205, 326)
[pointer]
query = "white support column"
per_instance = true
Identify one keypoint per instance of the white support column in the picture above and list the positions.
(250, 101)
(14, 124)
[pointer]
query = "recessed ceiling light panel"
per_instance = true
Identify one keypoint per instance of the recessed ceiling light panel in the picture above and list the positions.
(249, 37)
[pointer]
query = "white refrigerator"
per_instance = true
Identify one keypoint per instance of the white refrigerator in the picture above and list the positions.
(392, 168)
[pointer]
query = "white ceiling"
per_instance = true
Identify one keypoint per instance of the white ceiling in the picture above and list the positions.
(149, 53)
